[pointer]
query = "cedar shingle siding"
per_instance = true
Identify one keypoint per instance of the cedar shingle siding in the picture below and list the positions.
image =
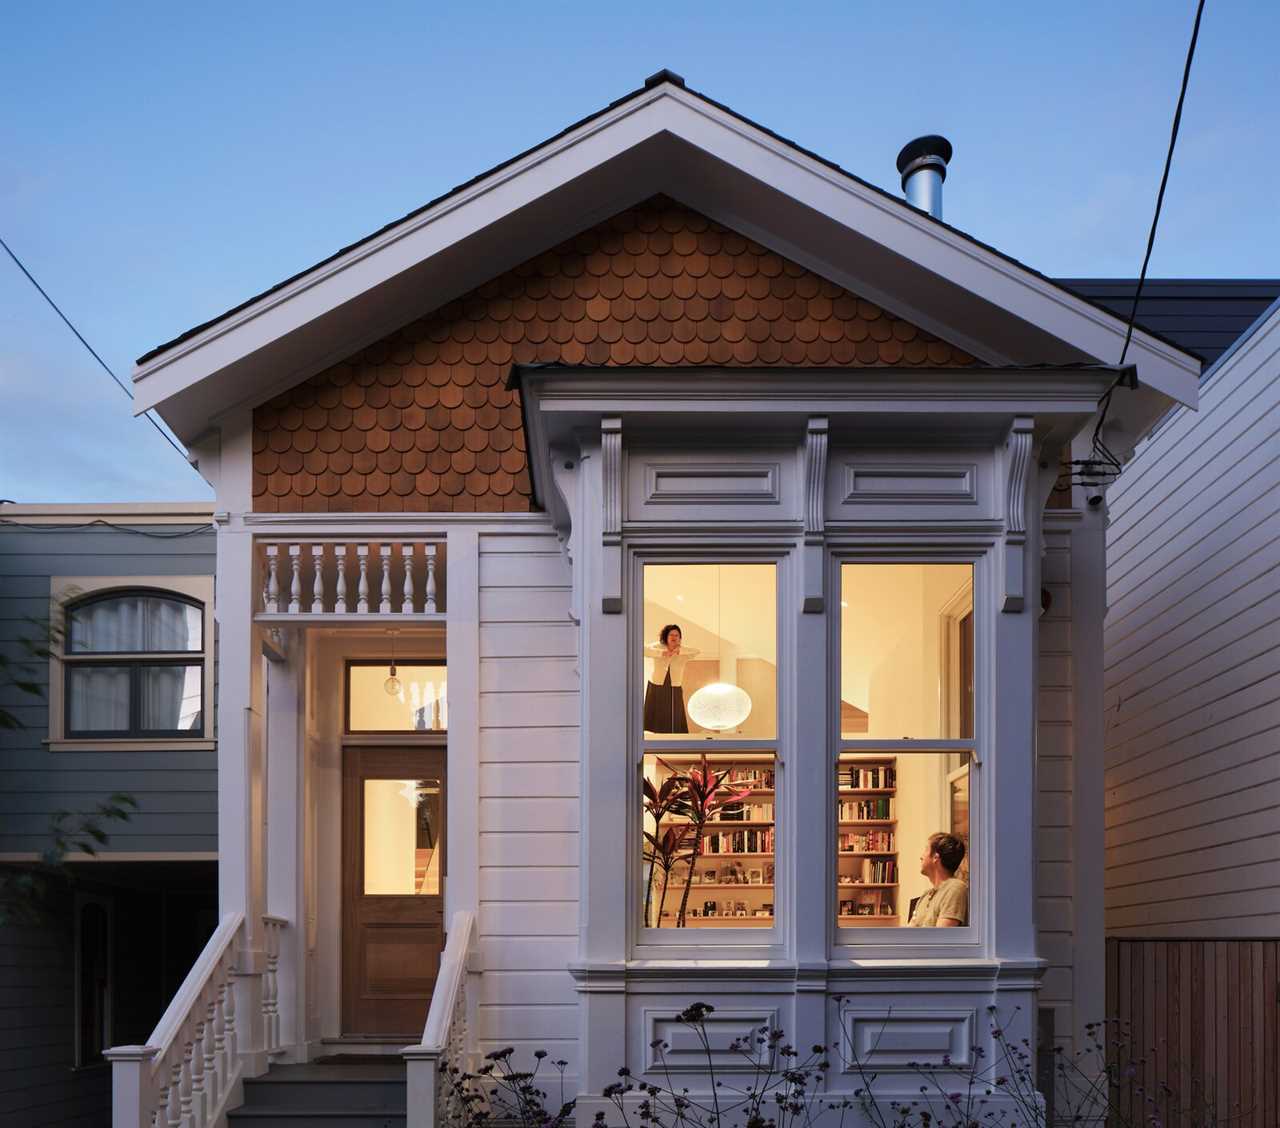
(423, 420)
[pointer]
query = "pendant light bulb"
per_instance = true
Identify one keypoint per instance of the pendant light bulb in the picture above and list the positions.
(392, 685)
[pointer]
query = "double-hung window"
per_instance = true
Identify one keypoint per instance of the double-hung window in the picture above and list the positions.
(709, 691)
(906, 726)
(133, 664)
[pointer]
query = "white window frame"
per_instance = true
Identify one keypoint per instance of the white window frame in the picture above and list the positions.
(65, 590)
(904, 942)
(710, 943)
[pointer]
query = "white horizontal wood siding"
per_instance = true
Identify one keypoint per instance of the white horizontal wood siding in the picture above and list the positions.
(1193, 664)
(1055, 919)
(529, 800)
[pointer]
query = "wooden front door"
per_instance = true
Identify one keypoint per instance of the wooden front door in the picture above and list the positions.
(393, 836)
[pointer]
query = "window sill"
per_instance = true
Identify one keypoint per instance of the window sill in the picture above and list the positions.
(159, 744)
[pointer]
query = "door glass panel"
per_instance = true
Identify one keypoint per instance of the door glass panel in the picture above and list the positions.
(402, 847)
(711, 651)
(906, 651)
(416, 699)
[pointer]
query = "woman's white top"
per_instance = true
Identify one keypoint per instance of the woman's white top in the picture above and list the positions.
(662, 662)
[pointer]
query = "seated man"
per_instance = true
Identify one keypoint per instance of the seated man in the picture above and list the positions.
(946, 905)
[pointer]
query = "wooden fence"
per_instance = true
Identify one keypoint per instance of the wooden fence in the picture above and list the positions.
(1201, 1016)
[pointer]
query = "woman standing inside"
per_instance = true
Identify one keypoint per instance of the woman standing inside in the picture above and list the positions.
(663, 696)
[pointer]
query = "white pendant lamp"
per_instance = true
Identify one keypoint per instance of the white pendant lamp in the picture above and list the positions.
(720, 706)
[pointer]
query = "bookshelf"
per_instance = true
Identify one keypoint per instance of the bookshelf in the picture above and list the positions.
(867, 841)
(733, 873)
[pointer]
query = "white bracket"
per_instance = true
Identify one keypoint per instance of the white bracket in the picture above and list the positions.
(815, 493)
(1018, 453)
(611, 516)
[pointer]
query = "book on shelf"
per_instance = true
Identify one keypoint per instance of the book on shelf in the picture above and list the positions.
(861, 778)
(749, 841)
(869, 871)
(867, 842)
(859, 810)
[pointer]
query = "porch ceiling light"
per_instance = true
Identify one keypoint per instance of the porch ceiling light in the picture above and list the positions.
(720, 706)
(393, 684)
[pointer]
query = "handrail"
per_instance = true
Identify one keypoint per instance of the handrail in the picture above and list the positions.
(444, 1034)
(175, 1015)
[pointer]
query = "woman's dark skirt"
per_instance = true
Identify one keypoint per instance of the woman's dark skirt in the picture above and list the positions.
(664, 707)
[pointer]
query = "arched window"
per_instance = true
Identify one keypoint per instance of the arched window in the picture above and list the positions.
(134, 665)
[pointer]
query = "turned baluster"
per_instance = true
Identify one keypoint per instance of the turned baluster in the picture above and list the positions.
(340, 589)
(220, 1035)
(362, 586)
(271, 592)
(295, 582)
(173, 1098)
(430, 604)
(384, 579)
(186, 1094)
(199, 1098)
(232, 1048)
(317, 579)
(407, 554)
(212, 1080)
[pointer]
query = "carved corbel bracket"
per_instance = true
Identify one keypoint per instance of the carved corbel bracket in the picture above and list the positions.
(815, 493)
(276, 644)
(611, 516)
(1017, 464)
(566, 481)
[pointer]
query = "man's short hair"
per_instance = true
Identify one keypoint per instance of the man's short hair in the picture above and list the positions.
(950, 850)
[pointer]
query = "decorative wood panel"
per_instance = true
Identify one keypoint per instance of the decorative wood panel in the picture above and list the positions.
(423, 421)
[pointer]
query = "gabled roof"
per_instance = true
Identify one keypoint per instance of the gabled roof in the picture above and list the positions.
(662, 138)
(1204, 316)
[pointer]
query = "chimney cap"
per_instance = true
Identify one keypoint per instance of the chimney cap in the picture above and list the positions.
(922, 148)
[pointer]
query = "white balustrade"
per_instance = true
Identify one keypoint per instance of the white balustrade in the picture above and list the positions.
(432, 1100)
(185, 1073)
(393, 578)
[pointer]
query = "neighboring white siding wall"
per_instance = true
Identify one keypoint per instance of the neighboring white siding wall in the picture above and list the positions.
(1193, 664)
(529, 817)
(1054, 915)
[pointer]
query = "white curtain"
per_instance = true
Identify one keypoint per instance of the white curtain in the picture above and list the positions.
(99, 698)
(171, 698)
(135, 623)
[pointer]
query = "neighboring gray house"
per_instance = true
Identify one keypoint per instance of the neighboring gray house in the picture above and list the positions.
(126, 591)
(1192, 683)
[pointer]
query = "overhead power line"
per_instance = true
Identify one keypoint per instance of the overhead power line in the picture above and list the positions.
(92, 351)
(1104, 466)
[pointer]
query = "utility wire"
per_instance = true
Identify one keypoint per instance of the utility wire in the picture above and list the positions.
(92, 352)
(1090, 469)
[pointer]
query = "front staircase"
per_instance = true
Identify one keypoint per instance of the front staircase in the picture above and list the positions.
(326, 1094)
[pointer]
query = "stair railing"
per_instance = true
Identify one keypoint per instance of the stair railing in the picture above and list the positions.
(445, 1042)
(190, 1065)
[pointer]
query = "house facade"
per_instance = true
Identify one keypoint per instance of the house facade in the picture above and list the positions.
(1193, 771)
(107, 628)
(664, 370)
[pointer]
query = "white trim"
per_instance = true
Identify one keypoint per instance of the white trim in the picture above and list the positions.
(131, 512)
(65, 589)
(646, 144)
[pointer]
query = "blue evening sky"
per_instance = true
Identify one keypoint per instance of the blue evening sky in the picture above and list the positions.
(161, 162)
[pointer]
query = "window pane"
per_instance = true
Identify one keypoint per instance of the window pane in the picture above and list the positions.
(906, 653)
(716, 671)
(172, 698)
(133, 624)
(98, 698)
(402, 852)
(708, 843)
(417, 700)
(888, 809)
